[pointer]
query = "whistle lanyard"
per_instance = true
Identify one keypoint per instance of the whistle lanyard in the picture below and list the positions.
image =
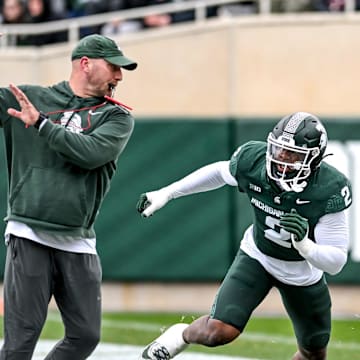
(90, 108)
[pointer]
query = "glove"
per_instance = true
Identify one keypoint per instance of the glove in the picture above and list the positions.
(295, 224)
(298, 227)
(150, 202)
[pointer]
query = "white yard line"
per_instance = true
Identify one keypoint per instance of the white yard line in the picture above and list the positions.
(249, 336)
(127, 352)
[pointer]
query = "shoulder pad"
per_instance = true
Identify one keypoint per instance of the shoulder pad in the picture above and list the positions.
(340, 200)
(335, 186)
(247, 156)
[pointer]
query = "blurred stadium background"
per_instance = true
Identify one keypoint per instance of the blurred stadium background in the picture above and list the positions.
(201, 89)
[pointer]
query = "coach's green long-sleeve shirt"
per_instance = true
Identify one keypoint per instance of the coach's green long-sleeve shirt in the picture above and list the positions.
(58, 176)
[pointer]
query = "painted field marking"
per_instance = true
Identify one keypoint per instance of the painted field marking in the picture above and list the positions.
(249, 336)
(126, 352)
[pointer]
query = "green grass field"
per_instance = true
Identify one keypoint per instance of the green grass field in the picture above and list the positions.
(264, 338)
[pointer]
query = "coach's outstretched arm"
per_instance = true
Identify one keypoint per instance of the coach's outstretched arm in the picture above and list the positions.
(209, 177)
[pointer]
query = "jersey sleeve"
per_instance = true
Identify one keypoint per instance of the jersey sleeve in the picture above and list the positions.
(247, 160)
(341, 198)
(234, 161)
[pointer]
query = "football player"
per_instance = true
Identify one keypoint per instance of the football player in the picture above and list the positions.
(299, 231)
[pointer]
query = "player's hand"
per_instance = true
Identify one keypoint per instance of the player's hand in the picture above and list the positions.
(152, 201)
(295, 224)
(28, 114)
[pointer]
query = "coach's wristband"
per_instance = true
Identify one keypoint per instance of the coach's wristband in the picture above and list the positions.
(40, 120)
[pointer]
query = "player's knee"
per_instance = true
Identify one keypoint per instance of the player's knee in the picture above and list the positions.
(314, 347)
(316, 341)
(220, 335)
(302, 354)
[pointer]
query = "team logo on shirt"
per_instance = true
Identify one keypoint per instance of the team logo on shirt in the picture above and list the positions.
(72, 122)
(254, 187)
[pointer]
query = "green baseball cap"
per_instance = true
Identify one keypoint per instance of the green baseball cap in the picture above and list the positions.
(101, 47)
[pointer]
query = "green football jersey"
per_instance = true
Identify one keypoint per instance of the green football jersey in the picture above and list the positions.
(328, 191)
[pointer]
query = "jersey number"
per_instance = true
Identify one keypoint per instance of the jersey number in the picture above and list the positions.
(345, 192)
(276, 233)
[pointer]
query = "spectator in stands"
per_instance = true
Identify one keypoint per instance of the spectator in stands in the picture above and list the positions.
(332, 5)
(93, 7)
(40, 11)
(124, 26)
(235, 9)
(121, 27)
(290, 5)
(73, 8)
(158, 20)
(59, 7)
(152, 20)
(14, 12)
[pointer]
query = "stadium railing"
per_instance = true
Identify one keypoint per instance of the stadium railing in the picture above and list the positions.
(74, 25)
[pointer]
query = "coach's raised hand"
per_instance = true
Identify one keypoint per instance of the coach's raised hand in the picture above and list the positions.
(28, 114)
(152, 201)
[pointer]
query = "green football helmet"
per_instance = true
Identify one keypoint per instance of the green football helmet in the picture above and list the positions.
(295, 149)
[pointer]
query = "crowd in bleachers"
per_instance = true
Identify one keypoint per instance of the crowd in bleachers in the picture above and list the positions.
(37, 11)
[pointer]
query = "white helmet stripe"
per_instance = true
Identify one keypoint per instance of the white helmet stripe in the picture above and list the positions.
(295, 121)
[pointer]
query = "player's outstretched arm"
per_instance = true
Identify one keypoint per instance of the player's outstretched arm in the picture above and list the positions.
(206, 178)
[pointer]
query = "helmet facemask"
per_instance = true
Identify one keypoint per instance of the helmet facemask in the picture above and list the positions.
(289, 165)
(295, 149)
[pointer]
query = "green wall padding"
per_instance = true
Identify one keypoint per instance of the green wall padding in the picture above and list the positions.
(186, 240)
